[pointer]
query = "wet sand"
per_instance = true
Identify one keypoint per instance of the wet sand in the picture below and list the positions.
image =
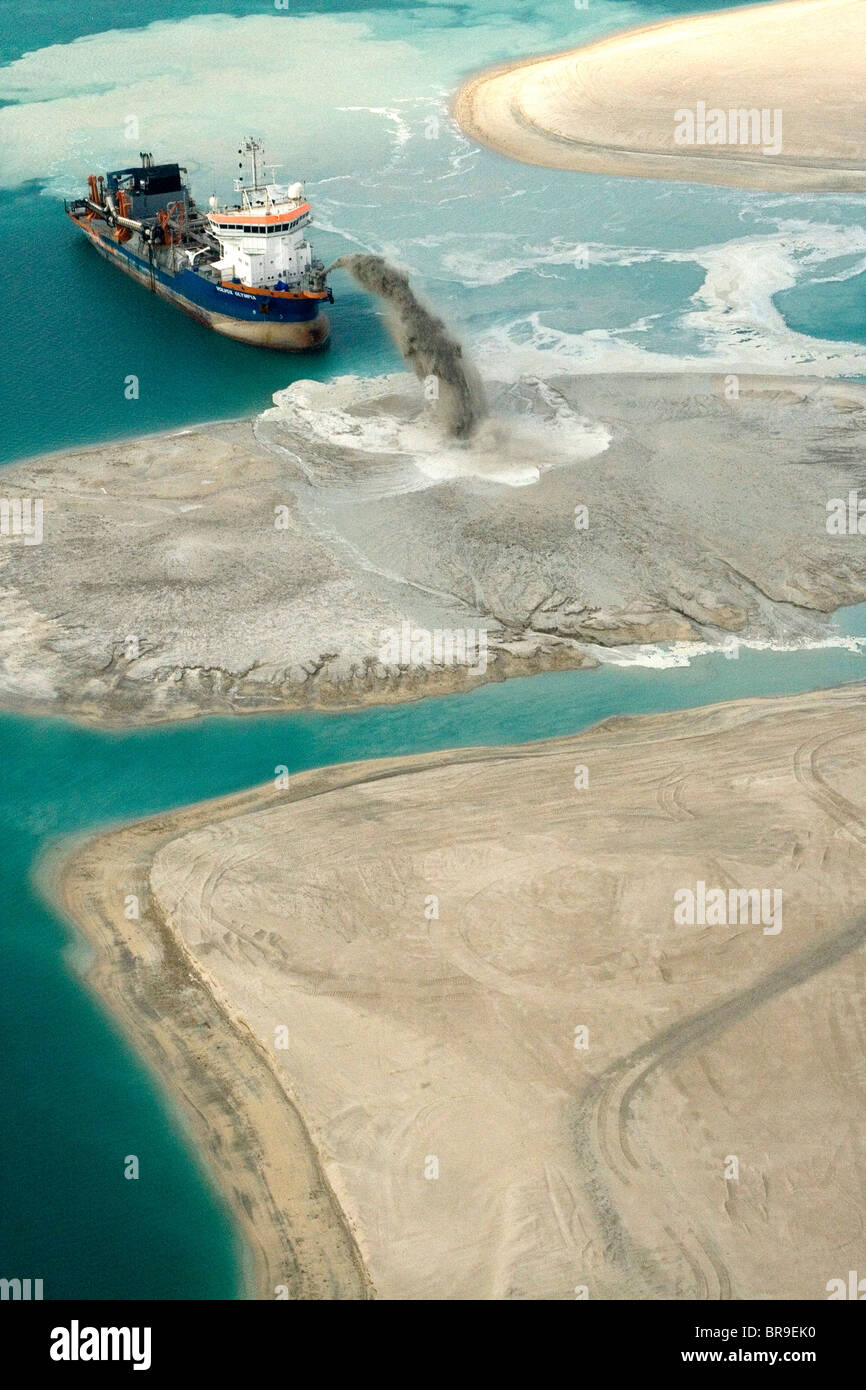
(163, 588)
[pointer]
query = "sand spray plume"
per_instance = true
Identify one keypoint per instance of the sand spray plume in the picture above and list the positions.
(539, 429)
(424, 342)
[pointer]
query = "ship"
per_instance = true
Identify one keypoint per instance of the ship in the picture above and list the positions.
(247, 271)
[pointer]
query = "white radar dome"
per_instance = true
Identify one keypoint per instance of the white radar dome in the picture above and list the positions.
(296, 190)
(213, 202)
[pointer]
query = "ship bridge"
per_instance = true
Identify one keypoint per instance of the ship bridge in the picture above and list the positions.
(262, 241)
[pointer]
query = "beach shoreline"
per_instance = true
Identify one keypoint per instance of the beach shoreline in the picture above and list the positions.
(608, 107)
(218, 1083)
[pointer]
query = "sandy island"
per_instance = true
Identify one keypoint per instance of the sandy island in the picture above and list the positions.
(433, 933)
(611, 107)
(256, 565)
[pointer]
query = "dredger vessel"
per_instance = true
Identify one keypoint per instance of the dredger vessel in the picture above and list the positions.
(247, 271)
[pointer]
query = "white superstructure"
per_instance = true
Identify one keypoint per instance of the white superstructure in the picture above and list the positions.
(262, 240)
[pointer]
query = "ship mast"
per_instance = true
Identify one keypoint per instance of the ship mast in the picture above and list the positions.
(253, 148)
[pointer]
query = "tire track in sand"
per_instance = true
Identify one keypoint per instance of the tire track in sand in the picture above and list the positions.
(605, 1108)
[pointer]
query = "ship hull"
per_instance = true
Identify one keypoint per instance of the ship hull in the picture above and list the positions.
(287, 323)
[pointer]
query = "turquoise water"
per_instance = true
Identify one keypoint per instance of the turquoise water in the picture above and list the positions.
(67, 383)
(676, 275)
(838, 303)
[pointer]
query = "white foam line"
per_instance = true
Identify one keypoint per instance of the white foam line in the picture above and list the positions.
(666, 655)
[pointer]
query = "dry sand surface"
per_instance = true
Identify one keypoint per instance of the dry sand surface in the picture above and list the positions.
(164, 589)
(426, 1041)
(610, 107)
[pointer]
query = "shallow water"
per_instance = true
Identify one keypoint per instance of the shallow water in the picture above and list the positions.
(537, 270)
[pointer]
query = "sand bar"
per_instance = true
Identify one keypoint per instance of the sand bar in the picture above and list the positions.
(163, 589)
(610, 106)
(475, 1150)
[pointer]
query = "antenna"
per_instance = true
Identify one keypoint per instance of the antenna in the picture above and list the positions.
(253, 148)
